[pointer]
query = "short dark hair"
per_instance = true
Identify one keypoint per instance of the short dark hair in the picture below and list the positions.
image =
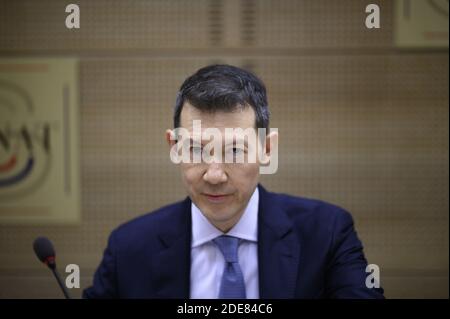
(224, 88)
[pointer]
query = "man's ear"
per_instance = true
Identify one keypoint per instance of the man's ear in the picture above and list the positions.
(170, 137)
(269, 160)
(271, 142)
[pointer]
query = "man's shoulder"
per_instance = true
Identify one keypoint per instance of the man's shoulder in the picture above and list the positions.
(153, 222)
(313, 220)
(305, 208)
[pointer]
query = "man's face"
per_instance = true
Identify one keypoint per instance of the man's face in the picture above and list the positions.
(220, 190)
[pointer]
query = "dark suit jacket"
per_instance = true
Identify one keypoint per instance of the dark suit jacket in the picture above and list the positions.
(306, 249)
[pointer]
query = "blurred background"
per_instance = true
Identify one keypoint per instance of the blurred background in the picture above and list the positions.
(363, 123)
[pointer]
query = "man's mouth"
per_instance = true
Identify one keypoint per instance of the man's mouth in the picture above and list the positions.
(216, 198)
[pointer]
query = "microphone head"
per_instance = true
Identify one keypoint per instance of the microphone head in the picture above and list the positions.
(44, 250)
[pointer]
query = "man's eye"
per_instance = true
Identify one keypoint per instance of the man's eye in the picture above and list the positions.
(237, 150)
(196, 149)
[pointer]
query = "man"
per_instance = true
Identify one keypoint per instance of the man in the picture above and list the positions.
(230, 238)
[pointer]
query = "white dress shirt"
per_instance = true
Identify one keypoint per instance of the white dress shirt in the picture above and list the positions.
(207, 262)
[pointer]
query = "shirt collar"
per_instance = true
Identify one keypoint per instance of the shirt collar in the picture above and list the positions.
(246, 228)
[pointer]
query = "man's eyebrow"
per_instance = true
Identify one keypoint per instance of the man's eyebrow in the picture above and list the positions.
(191, 141)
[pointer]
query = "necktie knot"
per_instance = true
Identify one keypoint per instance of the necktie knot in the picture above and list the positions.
(228, 245)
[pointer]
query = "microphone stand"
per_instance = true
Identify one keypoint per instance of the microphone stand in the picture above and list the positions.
(52, 265)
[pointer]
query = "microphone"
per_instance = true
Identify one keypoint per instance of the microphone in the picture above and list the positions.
(44, 250)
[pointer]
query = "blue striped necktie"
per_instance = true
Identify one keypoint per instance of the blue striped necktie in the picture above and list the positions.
(232, 284)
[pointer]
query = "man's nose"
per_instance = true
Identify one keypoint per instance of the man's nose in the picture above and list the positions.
(215, 174)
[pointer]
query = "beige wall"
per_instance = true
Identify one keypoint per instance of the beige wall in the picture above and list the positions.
(362, 124)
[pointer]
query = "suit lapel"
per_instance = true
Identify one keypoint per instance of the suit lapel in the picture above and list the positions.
(278, 250)
(171, 265)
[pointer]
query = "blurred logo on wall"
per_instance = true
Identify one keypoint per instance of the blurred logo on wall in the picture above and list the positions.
(39, 180)
(25, 143)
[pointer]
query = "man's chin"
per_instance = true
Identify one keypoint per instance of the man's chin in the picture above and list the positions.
(217, 214)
